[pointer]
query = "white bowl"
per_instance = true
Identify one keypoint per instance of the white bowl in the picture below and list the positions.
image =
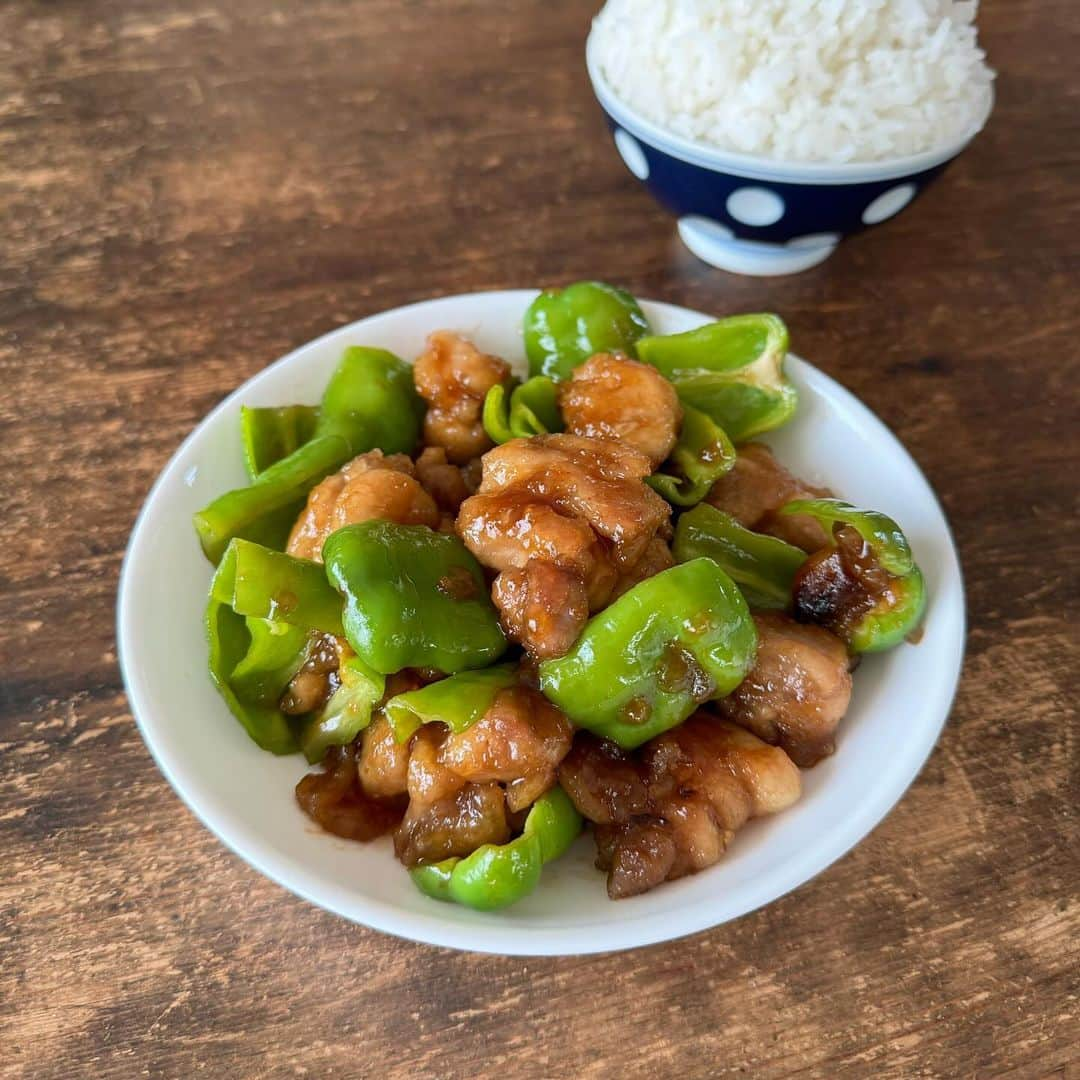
(245, 796)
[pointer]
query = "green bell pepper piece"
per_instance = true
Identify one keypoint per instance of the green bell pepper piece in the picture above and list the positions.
(530, 409)
(413, 598)
(762, 566)
(458, 702)
(897, 613)
(701, 456)
(258, 582)
(250, 664)
(265, 511)
(643, 664)
(733, 370)
(563, 328)
(274, 655)
(347, 712)
(274, 433)
(497, 875)
(371, 402)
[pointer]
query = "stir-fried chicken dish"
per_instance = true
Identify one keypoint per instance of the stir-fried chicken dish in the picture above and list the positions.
(493, 612)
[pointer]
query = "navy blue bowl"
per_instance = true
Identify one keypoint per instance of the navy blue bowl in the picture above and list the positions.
(752, 215)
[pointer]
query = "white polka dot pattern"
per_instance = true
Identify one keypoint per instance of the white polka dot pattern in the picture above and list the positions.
(633, 156)
(756, 206)
(891, 202)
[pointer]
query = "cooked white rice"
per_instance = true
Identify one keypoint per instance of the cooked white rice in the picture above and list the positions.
(799, 80)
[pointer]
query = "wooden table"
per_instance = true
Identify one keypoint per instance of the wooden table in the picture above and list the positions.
(190, 188)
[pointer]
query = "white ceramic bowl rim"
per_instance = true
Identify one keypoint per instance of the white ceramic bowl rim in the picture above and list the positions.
(630, 924)
(759, 167)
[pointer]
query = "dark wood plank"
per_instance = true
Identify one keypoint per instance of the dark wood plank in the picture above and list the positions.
(190, 187)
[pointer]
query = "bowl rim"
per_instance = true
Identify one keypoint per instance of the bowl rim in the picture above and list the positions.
(758, 166)
(626, 931)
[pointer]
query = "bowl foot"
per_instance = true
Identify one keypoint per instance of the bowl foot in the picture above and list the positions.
(714, 244)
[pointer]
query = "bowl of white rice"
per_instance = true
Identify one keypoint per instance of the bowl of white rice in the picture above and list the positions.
(774, 128)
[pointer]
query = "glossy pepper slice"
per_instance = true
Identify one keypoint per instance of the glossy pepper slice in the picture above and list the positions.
(458, 702)
(413, 598)
(732, 369)
(251, 662)
(701, 456)
(265, 584)
(866, 587)
(372, 403)
(564, 327)
(762, 566)
(274, 433)
(642, 665)
(531, 408)
(497, 875)
(347, 712)
(265, 510)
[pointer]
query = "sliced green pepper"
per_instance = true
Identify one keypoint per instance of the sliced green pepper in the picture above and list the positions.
(265, 584)
(530, 409)
(274, 433)
(733, 370)
(371, 402)
(458, 702)
(762, 566)
(265, 511)
(250, 666)
(497, 875)
(347, 712)
(564, 327)
(413, 598)
(869, 612)
(642, 665)
(701, 456)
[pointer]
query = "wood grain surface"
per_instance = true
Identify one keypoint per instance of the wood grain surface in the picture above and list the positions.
(190, 188)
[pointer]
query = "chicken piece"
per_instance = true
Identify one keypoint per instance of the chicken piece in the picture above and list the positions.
(507, 529)
(453, 376)
(370, 486)
(613, 397)
(672, 809)
(383, 768)
(444, 482)
(336, 801)
(656, 557)
(757, 487)
(314, 684)
(519, 741)
(544, 607)
(797, 692)
(456, 825)
(597, 481)
(605, 783)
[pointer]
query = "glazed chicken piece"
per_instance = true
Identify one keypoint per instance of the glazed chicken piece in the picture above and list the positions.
(544, 603)
(447, 815)
(613, 397)
(519, 741)
(673, 808)
(370, 486)
(656, 557)
(598, 481)
(317, 679)
(383, 767)
(445, 483)
(757, 487)
(452, 375)
(578, 505)
(797, 692)
(335, 800)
